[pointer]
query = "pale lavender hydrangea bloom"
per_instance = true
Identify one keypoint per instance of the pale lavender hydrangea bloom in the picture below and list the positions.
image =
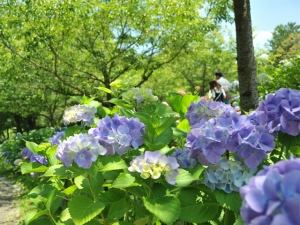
(154, 164)
(139, 95)
(79, 113)
(227, 175)
(119, 133)
(281, 111)
(273, 195)
(81, 148)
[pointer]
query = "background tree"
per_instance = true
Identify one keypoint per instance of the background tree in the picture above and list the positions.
(284, 41)
(245, 56)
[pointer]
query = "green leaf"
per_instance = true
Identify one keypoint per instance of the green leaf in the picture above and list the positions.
(295, 150)
(70, 131)
(167, 208)
(161, 140)
(54, 201)
(117, 210)
(30, 167)
(184, 178)
(184, 125)
(90, 185)
(196, 207)
(164, 110)
(179, 133)
(40, 193)
(174, 100)
(111, 196)
(109, 163)
(121, 103)
(83, 209)
(187, 100)
(65, 215)
(44, 221)
(105, 90)
(70, 190)
(239, 221)
(166, 125)
(34, 215)
(232, 201)
(288, 140)
(32, 146)
(123, 180)
(42, 147)
(58, 170)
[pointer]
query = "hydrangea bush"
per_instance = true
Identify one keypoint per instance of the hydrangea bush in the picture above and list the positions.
(189, 161)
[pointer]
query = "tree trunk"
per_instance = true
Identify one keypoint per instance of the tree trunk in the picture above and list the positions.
(245, 56)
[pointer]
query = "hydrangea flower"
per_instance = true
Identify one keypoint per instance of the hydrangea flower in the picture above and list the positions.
(80, 148)
(56, 138)
(79, 113)
(27, 154)
(139, 95)
(154, 164)
(273, 195)
(183, 159)
(204, 110)
(239, 134)
(227, 175)
(281, 111)
(119, 133)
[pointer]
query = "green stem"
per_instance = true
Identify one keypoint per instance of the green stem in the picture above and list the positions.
(226, 217)
(95, 197)
(150, 195)
(281, 152)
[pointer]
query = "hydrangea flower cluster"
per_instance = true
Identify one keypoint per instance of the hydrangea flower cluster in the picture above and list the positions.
(154, 164)
(79, 113)
(273, 195)
(234, 86)
(119, 134)
(183, 159)
(204, 110)
(139, 95)
(27, 154)
(281, 111)
(238, 134)
(56, 138)
(80, 148)
(227, 175)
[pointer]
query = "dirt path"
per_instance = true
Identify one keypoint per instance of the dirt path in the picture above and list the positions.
(9, 212)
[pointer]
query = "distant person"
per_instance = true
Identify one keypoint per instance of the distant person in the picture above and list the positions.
(216, 91)
(225, 84)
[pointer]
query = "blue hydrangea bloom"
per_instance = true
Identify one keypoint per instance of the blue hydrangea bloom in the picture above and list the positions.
(120, 133)
(183, 159)
(273, 195)
(154, 164)
(81, 148)
(227, 175)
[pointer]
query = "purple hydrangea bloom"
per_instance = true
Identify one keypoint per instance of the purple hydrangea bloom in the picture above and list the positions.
(273, 195)
(154, 164)
(79, 113)
(119, 132)
(204, 110)
(209, 140)
(81, 148)
(281, 111)
(27, 154)
(183, 159)
(56, 138)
